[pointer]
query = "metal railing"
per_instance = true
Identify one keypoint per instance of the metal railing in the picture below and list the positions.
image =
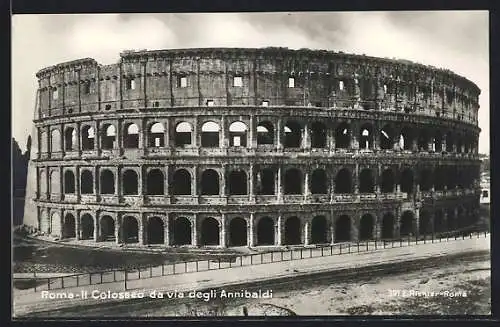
(231, 261)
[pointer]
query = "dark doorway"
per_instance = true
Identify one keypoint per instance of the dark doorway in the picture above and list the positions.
(182, 231)
(387, 181)
(107, 228)
(319, 182)
(69, 226)
(366, 181)
(366, 227)
(181, 182)
(265, 231)
(87, 227)
(210, 231)
(292, 231)
(343, 182)
(319, 230)
(293, 181)
(406, 227)
(155, 182)
(155, 230)
(388, 226)
(130, 230)
(210, 182)
(238, 232)
(343, 229)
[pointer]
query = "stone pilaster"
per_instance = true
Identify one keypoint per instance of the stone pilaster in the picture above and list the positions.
(279, 227)
(166, 230)
(222, 230)
(77, 226)
(194, 231)
(307, 232)
(118, 226)
(279, 132)
(251, 238)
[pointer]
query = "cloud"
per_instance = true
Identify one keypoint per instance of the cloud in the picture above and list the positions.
(454, 40)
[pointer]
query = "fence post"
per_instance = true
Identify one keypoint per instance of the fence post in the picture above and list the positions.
(48, 283)
(218, 259)
(384, 244)
(409, 240)
(208, 263)
(432, 238)
(139, 269)
(101, 277)
(425, 236)
(251, 259)
(77, 280)
(272, 256)
(349, 247)
(173, 268)
(375, 243)
(358, 246)
(125, 280)
(291, 255)
(163, 269)
(262, 258)
(321, 251)
(35, 283)
(241, 261)
(477, 234)
(90, 278)
(281, 255)
(367, 246)
(340, 248)
(185, 266)
(114, 275)
(301, 253)
(470, 235)
(485, 234)
(150, 271)
(331, 249)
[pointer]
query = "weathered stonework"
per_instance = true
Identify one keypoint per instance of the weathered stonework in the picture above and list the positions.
(252, 147)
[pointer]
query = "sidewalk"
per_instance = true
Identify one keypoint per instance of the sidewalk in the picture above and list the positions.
(29, 302)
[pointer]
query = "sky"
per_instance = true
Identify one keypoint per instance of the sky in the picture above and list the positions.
(456, 40)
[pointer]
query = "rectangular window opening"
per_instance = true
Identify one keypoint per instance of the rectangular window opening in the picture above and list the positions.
(238, 81)
(265, 103)
(237, 141)
(291, 82)
(183, 81)
(210, 103)
(341, 85)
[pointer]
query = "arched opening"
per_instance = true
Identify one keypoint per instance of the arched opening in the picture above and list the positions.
(210, 182)
(293, 135)
(69, 182)
(108, 137)
(181, 182)
(181, 231)
(406, 139)
(238, 232)
(155, 182)
(343, 182)
(183, 132)
(318, 135)
(319, 230)
(292, 231)
(439, 224)
(387, 138)
(366, 137)
(438, 142)
(107, 182)
(366, 227)
(87, 227)
(156, 135)
(293, 181)
(450, 219)
(319, 182)
(54, 180)
(407, 181)
(238, 134)
(265, 231)
(423, 141)
(131, 136)
(366, 181)
(451, 177)
(450, 140)
(156, 230)
(406, 226)
(210, 231)
(130, 182)
(343, 136)
(55, 141)
(266, 181)
(237, 182)
(69, 226)
(107, 227)
(210, 134)
(88, 137)
(387, 181)
(388, 226)
(87, 182)
(424, 225)
(130, 230)
(69, 139)
(439, 178)
(425, 180)
(265, 133)
(343, 229)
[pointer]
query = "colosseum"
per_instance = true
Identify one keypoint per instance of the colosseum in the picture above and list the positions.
(226, 147)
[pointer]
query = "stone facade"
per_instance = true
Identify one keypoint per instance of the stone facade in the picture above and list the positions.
(230, 147)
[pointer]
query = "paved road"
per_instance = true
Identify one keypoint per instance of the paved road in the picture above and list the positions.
(28, 302)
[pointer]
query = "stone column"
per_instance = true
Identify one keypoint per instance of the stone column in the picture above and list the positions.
(166, 134)
(378, 178)
(443, 143)
(97, 188)
(416, 227)
(397, 222)
(96, 228)
(279, 224)
(196, 135)
(306, 185)
(143, 236)
(77, 226)
(354, 227)
(306, 142)
(279, 131)
(251, 190)
(222, 231)
(140, 180)
(143, 142)
(356, 179)
(250, 236)
(97, 136)
(117, 230)
(376, 137)
(252, 132)
(330, 138)
(194, 181)
(166, 230)
(77, 184)
(354, 136)
(332, 229)
(119, 186)
(279, 186)
(222, 182)
(222, 135)
(377, 230)
(194, 231)
(307, 233)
